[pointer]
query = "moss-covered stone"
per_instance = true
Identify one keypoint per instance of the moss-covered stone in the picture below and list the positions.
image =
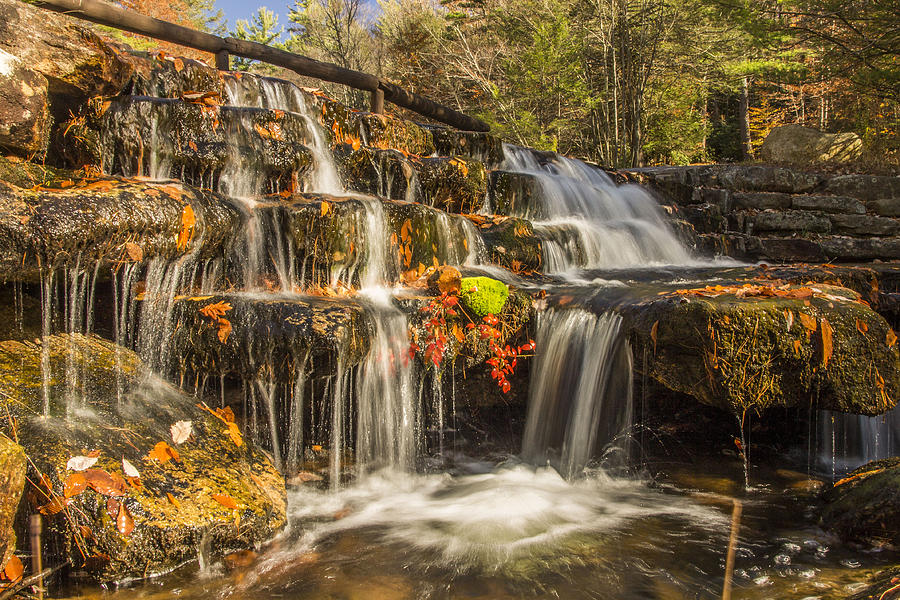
(483, 295)
(511, 242)
(383, 173)
(218, 494)
(864, 507)
(825, 349)
(385, 132)
(483, 147)
(12, 482)
(454, 185)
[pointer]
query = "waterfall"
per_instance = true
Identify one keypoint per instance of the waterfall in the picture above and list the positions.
(387, 404)
(579, 400)
(847, 441)
(586, 221)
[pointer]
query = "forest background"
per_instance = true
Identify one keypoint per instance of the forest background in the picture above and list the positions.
(617, 82)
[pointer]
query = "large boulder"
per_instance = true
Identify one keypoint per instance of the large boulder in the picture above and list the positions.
(754, 346)
(864, 507)
(803, 145)
(124, 493)
(12, 481)
(24, 108)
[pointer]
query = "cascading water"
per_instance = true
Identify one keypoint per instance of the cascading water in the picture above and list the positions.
(580, 395)
(586, 221)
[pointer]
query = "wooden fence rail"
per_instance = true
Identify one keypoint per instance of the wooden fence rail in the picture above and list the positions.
(110, 15)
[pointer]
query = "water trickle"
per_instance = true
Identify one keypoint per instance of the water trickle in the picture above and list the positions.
(579, 401)
(848, 441)
(586, 221)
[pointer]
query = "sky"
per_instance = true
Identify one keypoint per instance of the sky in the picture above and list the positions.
(241, 9)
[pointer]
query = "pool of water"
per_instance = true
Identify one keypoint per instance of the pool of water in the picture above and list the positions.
(502, 529)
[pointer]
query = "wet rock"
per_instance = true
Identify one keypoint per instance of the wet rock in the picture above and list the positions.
(278, 333)
(207, 492)
(864, 507)
(513, 193)
(12, 482)
(377, 131)
(95, 220)
(454, 185)
(383, 173)
(511, 242)
(856, 249)
(480, 146)
(705, 218)
(865, 187)
(805, 145)
(24, 108)
(737, 352)
(196, 143)
(163, 76)
(445, 279)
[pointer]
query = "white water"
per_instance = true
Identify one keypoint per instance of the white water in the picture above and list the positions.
(579, 401)
(586, 221)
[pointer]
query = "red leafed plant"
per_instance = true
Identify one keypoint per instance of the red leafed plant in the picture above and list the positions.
(502, 360)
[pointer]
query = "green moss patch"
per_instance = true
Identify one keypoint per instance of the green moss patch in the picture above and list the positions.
(483, 295)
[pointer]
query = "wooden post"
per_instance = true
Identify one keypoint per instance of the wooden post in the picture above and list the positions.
(377, 104)
(223, 60)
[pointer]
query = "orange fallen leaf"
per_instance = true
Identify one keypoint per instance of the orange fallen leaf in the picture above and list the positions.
(891, 338)
(654, 330)
(134, 251)
(214, 311)
(226, 501)
(173, 500)
(178, 64)
(224, 330)
(808, 322)
(74, 485)
(326, 208)
(13, 569)
(861, 326)
(188, 223)
(797, 345)
(163, 452)
(827, 343)
(107, 484)
(56, 504)
(235, 434)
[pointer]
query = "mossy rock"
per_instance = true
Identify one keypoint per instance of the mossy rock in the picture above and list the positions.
(385, 132)
(756, 352)
(864, 507)
(483, 295)
(511, 242)
(454, 185)
(12, 481)
(383, 173)
(103, 400)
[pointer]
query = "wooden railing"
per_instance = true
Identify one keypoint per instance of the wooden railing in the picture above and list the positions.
(110, 15)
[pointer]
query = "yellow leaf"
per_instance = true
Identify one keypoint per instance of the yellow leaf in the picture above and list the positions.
(326, 208)
(891, 338)
(235, 434)
(405, 229)
(173, 500)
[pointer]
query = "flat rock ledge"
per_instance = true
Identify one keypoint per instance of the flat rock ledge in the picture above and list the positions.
(211, 490)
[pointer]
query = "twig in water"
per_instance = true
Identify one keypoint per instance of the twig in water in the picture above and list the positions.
(732, 543)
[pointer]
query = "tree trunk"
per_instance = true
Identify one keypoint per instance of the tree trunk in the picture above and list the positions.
(744, 118)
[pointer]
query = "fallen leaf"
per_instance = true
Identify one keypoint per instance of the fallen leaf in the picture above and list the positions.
(173, 500)
(808, 322)
(13, 569)
(891, 338)
(326, 208)
(861, 326)
(654, 330)
(56, 504)
(797, 345)
(181, 431)
(827, 343)
(235, 434)
(164, 453)
(188, 222)
(134, 251)
(178, 64)
(74, 485)
(80, 463)
(105, 483)
(129, 469)
(224, 330)
(214, 311)
(225, 500)
(124, 521)
(789, 317)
